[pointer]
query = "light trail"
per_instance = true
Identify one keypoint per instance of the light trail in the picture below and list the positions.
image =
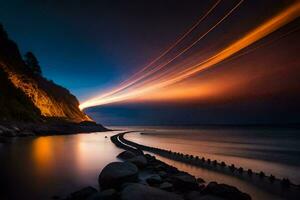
(258, 33)
(130, 82)
(159, 67)
(191, 29)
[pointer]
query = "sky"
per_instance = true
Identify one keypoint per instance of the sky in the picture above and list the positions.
(92, 47)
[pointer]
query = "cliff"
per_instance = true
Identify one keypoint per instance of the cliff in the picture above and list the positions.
(25, 95)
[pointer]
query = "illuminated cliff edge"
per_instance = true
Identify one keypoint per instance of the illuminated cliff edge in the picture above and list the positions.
(50, 99)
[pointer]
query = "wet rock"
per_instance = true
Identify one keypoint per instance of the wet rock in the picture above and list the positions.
(140, 161)
(195, 195)
(150, 158)
(160, 166)
(225, 191)
(154, 179)
(162, 174)
(82, 194)
(141, 192)
(116, 173)
(126, 155)
(166, 186)
(184, 182)
(200, 180)
(209, 197)
(192, 195)
(109, 194)
(7, 132)
(26, 133)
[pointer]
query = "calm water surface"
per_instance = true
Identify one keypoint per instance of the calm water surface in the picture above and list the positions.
(274, 151)
(41, 167)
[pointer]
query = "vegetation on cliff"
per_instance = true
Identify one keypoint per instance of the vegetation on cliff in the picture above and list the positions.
(25, 94)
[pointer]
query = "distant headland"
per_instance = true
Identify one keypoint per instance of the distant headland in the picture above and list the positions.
(30, 104)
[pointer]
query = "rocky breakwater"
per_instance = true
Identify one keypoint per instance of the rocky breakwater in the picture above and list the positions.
(143, 177)
(281, 187)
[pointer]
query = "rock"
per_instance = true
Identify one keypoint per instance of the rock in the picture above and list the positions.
(126, 155)
(16, 128)
(150, 158)
(116, 173)
(140, 161)
(141, 192)
(192, 195)
(225, 191)
(196, 195)
(209, 197)
(162, 174)
(82, 194)
(166, 186)
(109, 194)
(200, 180)
(184, 182)
(26, 133)
(7, 132)
(154, 179)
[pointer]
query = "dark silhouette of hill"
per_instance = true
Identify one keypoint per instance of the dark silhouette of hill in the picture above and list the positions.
(27, 96)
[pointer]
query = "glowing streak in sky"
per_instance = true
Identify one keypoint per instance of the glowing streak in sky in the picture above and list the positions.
(130, 82)
(159, 67)
(258, 33)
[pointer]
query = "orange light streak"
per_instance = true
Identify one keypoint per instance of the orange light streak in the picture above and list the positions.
(258, 33)
(130, 82)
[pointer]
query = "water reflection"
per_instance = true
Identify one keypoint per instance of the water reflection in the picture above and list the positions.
(54, 165)
(43, 154)
(208, 175)
(255, 149)
(276, 152)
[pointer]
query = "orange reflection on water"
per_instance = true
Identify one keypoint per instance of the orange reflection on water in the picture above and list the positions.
(42, 152)
(46, 153)
(93, 152)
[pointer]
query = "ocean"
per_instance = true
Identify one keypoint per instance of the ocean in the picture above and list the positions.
(43, 167)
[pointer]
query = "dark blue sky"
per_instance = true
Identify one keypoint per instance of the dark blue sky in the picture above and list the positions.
(87, 46)
(92, 46)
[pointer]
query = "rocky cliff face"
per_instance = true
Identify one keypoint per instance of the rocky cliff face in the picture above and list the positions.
(33, 95)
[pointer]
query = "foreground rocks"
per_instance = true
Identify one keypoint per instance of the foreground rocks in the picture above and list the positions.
(117, 173)
(143, 192)
(143, 177)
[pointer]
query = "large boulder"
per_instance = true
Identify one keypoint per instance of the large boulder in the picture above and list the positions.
(84, 193)
(225, 191)
(166, 186)
(196, 195)
(140, 161)
(183, 181)
(116, 173)
(109, 194)
(125, 155)
(154, 179)
(142, 192)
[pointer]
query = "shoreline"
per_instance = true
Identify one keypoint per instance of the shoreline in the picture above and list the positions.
(281, 187)
(26, 129)
(139, 152)
(141, 176)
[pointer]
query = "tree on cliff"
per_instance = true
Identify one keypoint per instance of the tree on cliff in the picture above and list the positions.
(3, 33)
(32, 62)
